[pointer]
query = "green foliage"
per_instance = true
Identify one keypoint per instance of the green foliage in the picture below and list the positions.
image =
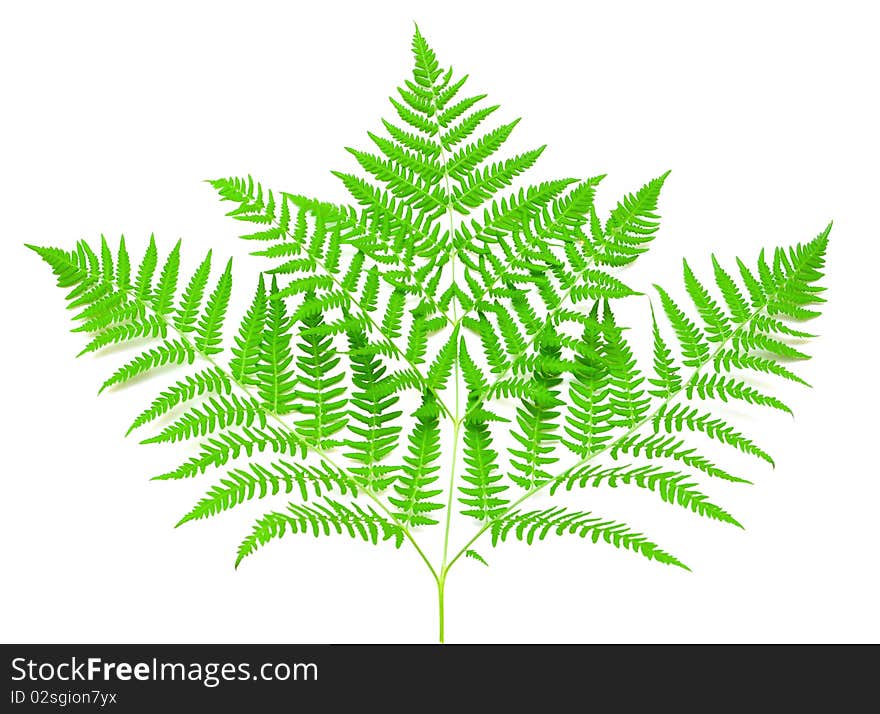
(526, 526)
(415, 486)
(321, 519)
(455, 303)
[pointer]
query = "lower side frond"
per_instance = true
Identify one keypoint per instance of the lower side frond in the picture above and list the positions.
(527, 525)
(257, 481)
(321, 519)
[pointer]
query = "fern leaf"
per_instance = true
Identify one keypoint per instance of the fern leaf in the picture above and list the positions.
(191, 300)
(588, 419)
(479, 186)
(671, 486)
(469, 157)
(415, 498)
(528, 525)
(218, 412)
(276, 381)
(627, 399)
(247, 351)
(144, 281)
(724, 388)
(208, 381)
(209, 331)
(123, 267)
(733, 296)
(166, 288)
(668, 376)
(653, 447)
(319, 392)
(693, 343)
(631, 226)
(150, 326)
(461, 131)
(258, 481)
(677, 417)
(480, 492)
(318, 520)
(221, 448)
(169, 352)
(474, 555)
(441, 367)
(718, 327)
(372, 416)
(537, 421)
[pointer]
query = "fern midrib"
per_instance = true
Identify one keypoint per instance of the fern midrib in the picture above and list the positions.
(275, 377)
(757, 311)
(132, 292)
(457, 419)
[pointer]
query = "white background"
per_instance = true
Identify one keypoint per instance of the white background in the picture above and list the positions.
(111, 116)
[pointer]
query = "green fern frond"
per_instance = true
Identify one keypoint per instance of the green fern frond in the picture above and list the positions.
(538, 422)
(441, 368)
(667, 381)
(227, 445)
(671, 486)
(588, 419)
(163, 295)
(258, 481)
(149, 326)
(372, 416)
(677, 417)
(319, 392)
(209, 329)
(628, 400)
(416, 493)
(318, 520)
(143, 283)
(693, 342)
(204, 382)
(718, 327)
(631, 226)
(528, 525)
(171, 352)
(474, 555)
(654, 447)
(724, 388)
(483, 485)
(276, 381)
(247, 351)
(191, 299)
(215, 413)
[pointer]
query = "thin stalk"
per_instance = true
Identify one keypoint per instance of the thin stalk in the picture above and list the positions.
(441, 586)
(456, 419)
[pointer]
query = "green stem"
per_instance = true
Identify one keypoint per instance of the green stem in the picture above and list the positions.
(441, 586)
(456, 419)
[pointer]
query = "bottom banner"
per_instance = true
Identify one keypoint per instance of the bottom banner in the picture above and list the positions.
(387, 678)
